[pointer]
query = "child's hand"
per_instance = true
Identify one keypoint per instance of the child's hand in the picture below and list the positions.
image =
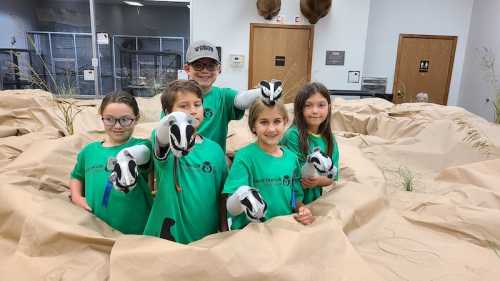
(81, 201)
(315, 181)
(304, 216)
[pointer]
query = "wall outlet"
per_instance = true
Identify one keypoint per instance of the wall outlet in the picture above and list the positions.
(353, 76)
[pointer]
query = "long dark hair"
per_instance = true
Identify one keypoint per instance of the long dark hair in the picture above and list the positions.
(299, 121)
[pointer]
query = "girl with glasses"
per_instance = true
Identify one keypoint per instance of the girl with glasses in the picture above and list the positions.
(110, 177)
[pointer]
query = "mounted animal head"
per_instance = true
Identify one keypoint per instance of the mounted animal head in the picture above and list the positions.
(268, 8)
(322, 163)
(313, 10)
(182, 133)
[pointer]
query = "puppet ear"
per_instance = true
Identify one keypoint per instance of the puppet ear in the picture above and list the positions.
(111, 164)
(190, 119)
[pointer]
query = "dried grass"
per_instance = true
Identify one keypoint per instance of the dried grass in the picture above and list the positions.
(474, 136)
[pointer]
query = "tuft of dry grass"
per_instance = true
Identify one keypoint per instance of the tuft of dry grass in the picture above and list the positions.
(474, 136)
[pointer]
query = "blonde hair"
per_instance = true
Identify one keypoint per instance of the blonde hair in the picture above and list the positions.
(258, 106)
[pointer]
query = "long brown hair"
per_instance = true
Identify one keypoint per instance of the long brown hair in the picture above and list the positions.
(299, 121)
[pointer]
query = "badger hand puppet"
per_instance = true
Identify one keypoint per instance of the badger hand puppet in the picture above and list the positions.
(247, 199)
(176, 132)
(318, 164)
(268, 91)
(123, 168)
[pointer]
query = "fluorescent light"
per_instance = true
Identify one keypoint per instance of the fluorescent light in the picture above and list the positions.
(180, 1)
(133, 3)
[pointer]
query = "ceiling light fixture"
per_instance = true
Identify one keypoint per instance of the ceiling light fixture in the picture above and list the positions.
(133, 3)
(178, 1)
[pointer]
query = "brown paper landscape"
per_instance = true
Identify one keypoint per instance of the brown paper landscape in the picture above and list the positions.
(368, 227)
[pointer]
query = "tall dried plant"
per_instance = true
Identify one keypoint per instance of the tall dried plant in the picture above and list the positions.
(487, 63)
(63, 92)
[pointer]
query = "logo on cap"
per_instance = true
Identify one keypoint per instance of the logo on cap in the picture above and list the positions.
(203, 48)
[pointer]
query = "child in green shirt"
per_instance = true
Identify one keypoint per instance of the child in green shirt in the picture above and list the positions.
(221, 105)
(263, 180)
(310, 130)
(120, 161)
(190, 170)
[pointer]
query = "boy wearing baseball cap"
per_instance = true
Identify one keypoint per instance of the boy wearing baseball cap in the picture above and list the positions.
(221, 104)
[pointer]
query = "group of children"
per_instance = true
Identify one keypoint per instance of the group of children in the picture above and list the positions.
(186, 154)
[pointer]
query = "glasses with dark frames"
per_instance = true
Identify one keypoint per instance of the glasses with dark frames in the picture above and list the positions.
(199, 66)
(110, 121)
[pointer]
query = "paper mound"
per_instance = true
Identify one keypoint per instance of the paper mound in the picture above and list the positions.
(368, 227)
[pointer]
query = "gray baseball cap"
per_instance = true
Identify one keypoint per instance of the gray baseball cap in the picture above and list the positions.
(201, 49)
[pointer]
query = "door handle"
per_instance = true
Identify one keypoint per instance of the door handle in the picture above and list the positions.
(400, 93)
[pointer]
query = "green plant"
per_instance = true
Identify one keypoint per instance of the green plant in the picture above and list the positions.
(407, 178)
(487, 63)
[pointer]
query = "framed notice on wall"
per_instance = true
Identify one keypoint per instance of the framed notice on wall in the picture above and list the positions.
(335, 57)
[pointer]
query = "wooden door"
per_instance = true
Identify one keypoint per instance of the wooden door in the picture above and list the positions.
(424, 64)
(281, 52)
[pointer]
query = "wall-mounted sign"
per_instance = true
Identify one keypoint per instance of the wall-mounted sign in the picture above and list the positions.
(424, 66)
(88, 75)
(102, 38)
(279, 61)
(335, 57)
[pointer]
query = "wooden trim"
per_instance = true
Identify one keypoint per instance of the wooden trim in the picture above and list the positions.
(450, 71)
(396, 71)
(291, 26)
(421, 36)
(253, 26)
(250, 58)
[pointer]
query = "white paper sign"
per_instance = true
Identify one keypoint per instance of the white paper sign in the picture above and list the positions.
(88, 75)
(102, 38)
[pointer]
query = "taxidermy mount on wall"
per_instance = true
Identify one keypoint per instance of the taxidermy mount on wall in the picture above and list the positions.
(268, 8)
(313, 10)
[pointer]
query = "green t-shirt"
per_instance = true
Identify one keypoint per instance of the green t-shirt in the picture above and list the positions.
(218, 105)
(275, 178)
(192, 213)
(126, 212)
(291, 140)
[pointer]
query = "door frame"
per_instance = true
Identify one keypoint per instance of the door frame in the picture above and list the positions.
(421, 36)
(253, 26)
